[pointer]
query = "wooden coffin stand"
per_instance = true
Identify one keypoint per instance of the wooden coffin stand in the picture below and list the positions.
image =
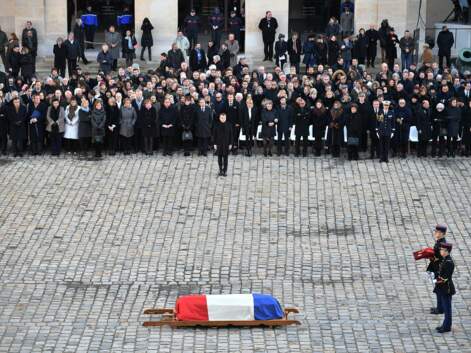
(169, 318)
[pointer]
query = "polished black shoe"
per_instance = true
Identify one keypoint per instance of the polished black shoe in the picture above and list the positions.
(443, 330)
(224, 174)
(220, 173)
(435, 311)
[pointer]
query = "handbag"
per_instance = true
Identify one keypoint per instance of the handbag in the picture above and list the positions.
(187, 136)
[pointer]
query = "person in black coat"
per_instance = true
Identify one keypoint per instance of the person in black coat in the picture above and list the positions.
(216, 23)
(222, 138)
(424, 127)
(360, 47)
(204, 122)
(319, 117)
(233, 117)
(372, 38)
(60, 56)
(269, 118)
(445, 41)
(187, 123)
(294, 51)
(14, 61)
(198, 60)
(403, 124)
(336, 123)
(168, 121)
(354, 125)
(191, 25)
(302, 120)
(36, 119)
(147, 41)
(439, 120)
(281, 51)
(27, 65)
(129, 44)
(17, 119)
(249, 123)
(453, 121)
(391, 48)
(4, 125)
(444, 286)
(466, 125)
(85, 126)
(268, 26)
(284, 125)
(147, 122)
(79, 35)
(212, 52)
(30, 41)
(112, 125)
(175, 57)
(72, 48)
(105, 59)
(333, 49)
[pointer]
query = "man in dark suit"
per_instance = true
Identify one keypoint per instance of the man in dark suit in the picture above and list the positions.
(72, 49)
(268, 26)
(198, 58)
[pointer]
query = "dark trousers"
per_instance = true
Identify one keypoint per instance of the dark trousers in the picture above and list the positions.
(126, 143)
(71, 145)
(422, 148)
(440, 60)
(82, 53)
(223, 161)
(298, 145)
(147, 142)
(113, 139)
(114, 66)
(216, 37)
(167, 144)
(84, 144)
(267, 143)
(384, 143)
(236, 134)
(283, 139)
(98, 149)
(335, 150)
(438, 144)
(373, 145)
(71, 65)
(36, 144)
(280, 63)
(445, 301)
(249, 143)
(352, 153)
(90, 35)
(192, 38)
(129, 59)
(17, 145)
(268, 48)
(371, 56)
(61, 69)
(203, 145)
(56, 143)
(149, 51)
(3, 142)
(318, 145)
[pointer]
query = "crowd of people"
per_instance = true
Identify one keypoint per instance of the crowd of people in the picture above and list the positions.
(206, 100)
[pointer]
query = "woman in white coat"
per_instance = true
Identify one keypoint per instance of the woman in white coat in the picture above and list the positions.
(71, 134)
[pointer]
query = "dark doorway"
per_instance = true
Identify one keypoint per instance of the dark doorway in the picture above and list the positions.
(106, 10)
(311, 16)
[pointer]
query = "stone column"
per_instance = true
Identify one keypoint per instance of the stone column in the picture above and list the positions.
(163, 15)
(254, 11)
(55, 17)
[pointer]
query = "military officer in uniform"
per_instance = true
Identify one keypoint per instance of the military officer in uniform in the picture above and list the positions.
(385, 128)
(192, 28)
(444, 287)
(433, 266)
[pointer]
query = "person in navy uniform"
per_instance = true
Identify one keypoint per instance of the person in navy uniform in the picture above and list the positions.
(216, 22)
(385, 128)
(434, 264)
(235, 25)
(90, 23)
(268, 26)
(444, 287)
(192, 27)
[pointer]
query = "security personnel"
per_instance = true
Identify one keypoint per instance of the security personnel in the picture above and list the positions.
(124, 21)
(433, 266)
(235, 25)
(444, 287)
(216, 22)
(90, 22)
(192, 28)
(385, 128)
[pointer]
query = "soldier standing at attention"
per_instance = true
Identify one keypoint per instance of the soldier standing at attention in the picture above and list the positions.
(385, 131)
(444, 287)
(439, 235)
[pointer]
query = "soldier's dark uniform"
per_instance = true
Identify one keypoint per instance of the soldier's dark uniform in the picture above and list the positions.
(434, 265)
(385, 126)
(192, 28)
(445, 288)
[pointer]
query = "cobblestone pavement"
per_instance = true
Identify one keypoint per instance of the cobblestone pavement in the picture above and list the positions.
(85, 246)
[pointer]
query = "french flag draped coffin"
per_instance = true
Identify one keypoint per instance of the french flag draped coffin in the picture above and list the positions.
(228, 307)
(426, 253)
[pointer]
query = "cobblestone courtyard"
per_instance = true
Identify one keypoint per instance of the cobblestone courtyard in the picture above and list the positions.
(85, 246)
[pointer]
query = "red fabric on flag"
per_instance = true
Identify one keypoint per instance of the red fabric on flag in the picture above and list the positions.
(426, 253)
(192, 308)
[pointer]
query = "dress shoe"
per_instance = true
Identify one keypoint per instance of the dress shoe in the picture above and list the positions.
(443, 330)
(435, 311)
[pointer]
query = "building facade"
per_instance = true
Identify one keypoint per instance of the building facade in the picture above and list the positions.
(51, 18)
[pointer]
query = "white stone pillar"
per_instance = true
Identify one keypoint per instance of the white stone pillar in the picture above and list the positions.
(55, 17)
(163, 14)
(254, 11)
